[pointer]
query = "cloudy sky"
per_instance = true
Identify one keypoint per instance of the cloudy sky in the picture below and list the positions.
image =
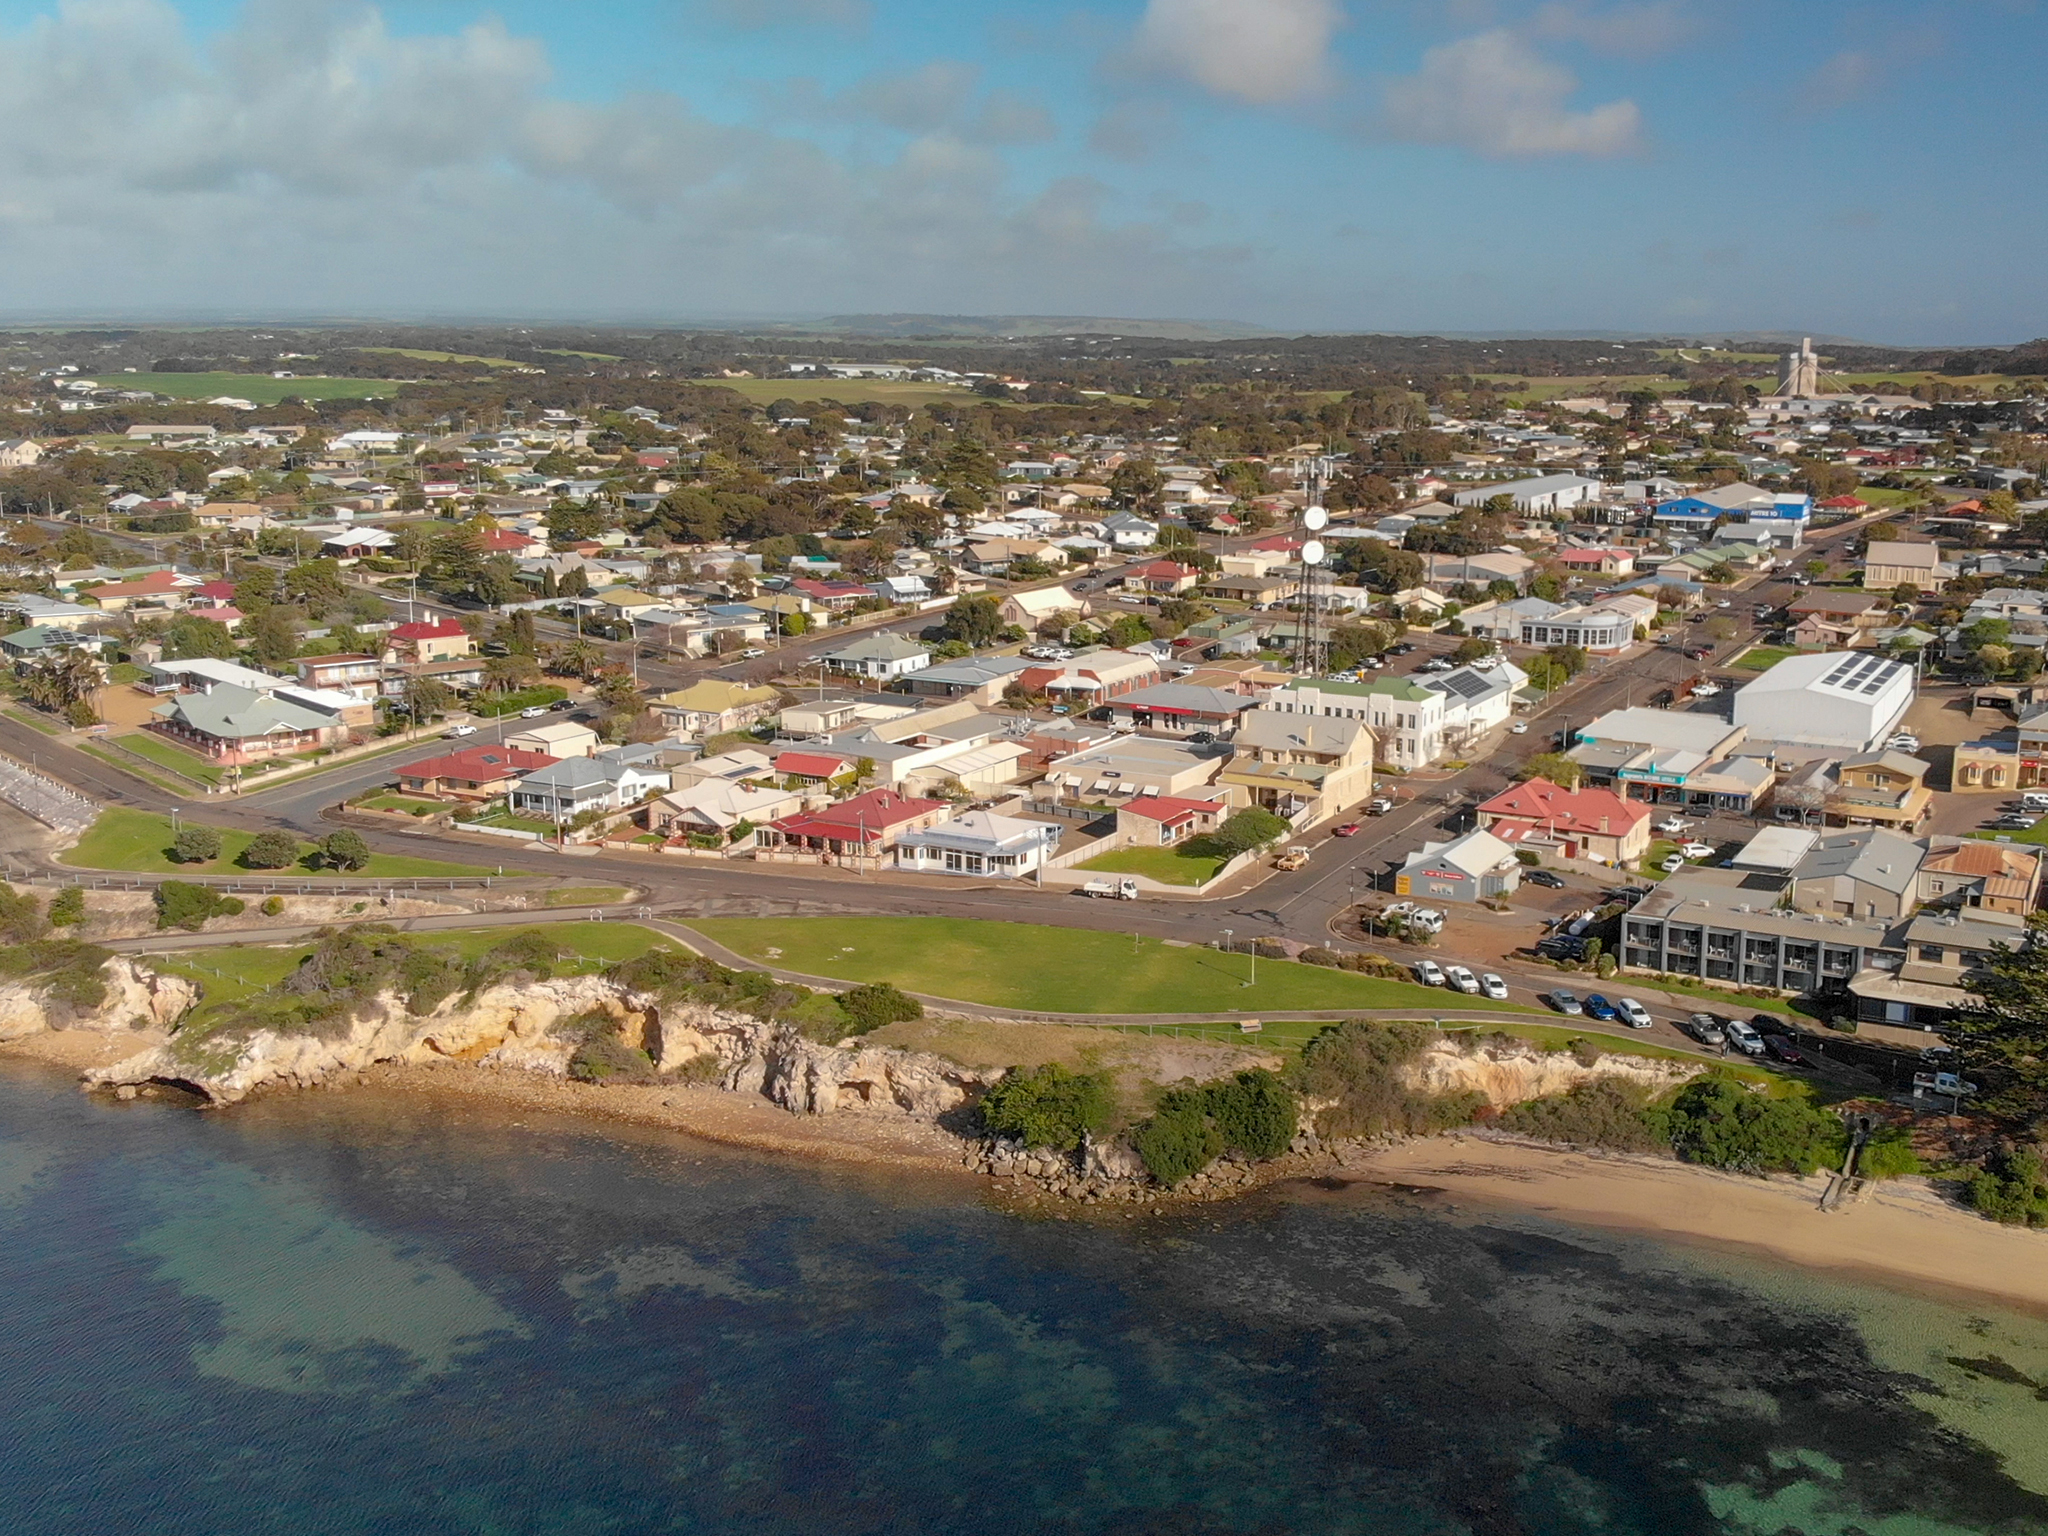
(1863, 169)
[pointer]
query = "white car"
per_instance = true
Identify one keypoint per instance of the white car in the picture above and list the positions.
(1745, 1038)
(1519, 728)
(461, 730)
(1633, 1013)
(1429, 973)
(1673, 864)
(532, 712)
(1903, 744)
(1696, 850)
(1494, 987)
(752, 653)
(1706, 690)
(1674, 825)
(1462, 979)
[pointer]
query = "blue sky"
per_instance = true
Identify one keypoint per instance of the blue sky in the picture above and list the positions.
(1870, 170)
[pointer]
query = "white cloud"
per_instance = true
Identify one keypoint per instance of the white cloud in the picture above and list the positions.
(1637, 31)
(308, 159)
(1495, 94)
(1259, 51)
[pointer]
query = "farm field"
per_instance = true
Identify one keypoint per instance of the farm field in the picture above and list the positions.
(259, 387)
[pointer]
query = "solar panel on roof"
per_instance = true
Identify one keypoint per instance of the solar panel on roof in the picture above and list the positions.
(1463, 684)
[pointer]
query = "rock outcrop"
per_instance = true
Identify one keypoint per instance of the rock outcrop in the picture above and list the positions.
(1510, 1073)
(136, 998)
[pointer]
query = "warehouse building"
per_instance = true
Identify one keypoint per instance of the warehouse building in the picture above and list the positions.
(1847, 700)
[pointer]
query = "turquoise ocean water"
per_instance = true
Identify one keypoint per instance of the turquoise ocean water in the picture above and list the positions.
(358, 1313)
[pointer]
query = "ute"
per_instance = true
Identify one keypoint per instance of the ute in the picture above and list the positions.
(1293, 858)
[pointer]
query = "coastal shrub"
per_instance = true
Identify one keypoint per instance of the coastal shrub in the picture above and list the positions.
(1179, 1141)
(1356, 1069)
(272, 906)
(1888, 1154)
(1315, 954)
(600, 1055)
(67, 970)
(1717, 1121)
(1270, 949)
(21, 916)
(2012, 1188)
(1252, 827)
(816, 1016)
(1605, 1112)
(530, 953)
(878, 1003)
(271, 850)
(1049, 1106)
(196, 845)
(67, 907)
(1255, 1111)
(179, 905)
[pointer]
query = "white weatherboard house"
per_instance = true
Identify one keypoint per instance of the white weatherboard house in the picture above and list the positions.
(978, 843)
(1851, 700)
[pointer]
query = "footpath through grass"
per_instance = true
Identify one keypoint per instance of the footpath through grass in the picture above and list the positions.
(1059, 970)
(140, 842)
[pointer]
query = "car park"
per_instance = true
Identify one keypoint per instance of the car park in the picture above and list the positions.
(1462, 979)
(1566, 1003)
(1544, 877)
(1598, 1007)
(1707, 1029)
(1429, 973)
(1492, 986)
(1633, 1013)
(1781, 1049)
(1744, 1038)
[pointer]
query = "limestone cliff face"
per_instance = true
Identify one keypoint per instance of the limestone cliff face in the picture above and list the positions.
(137, 998)
(513, 1026)
(1509, 1074)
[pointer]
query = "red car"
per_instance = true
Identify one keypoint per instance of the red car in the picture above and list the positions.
(1349, 829)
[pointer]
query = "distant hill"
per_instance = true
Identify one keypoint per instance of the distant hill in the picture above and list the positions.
(991, 326)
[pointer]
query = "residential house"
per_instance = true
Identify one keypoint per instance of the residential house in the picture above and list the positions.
(159, 589)
(38, 641)
(881, 656)
(1469, 868)
(1873, 873)
(741, 765)
(819, 717)
(431, 640)
(1091, 677)
(901, 589)
(560, 739)
(1602, 560)
(473, 774)
(1969, 872)
(1304, 767)
(19, 452)
(717, 806)
(980, 678)
(1161, 821)
(1446, 571)
(1883, 789)
(994, 557)
(1162, 578)
(346, 672)
(1406, 718)
(1890, 563)
(978, 843)
(234, 725)
(609, 780)
(813, 770)
(1027, 610)
(1594, 824)
(1128, 531)
(862, 830)
(711, 706)
(1180, 709)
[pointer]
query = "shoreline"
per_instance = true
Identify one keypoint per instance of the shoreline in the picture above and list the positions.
(1901, 1233)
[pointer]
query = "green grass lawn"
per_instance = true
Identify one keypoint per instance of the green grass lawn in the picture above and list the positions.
(140, 841)
(1660, 850)
(405, 803)
(1058, 970)
(128, 766)
(585, 895)
(1166, 865)
(35, 719)
(124, 672)
(235, 972)
(2037, 834)
(259, 387)
(1761, 658)
(421, 355)
(168, 754)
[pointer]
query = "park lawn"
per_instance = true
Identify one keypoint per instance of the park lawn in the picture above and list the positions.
(1166, 865)
(167, 754)
(259, 387)
(128, 767)
(1058, 970)
(234, 972)
(140, 841)
(1761, 658)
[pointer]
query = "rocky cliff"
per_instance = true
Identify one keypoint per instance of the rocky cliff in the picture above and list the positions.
(1509, 1074)
(136, 998)
(516, 1026)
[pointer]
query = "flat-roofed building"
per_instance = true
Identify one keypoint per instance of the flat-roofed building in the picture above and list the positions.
(1726, 925)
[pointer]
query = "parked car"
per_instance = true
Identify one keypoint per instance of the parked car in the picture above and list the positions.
(461, 730)
(1634, 1013)
(1705, 690)
(1673, 864)
(1675, 825)
(532, 712)
(1560, 946)
(752, 653)
(1492, 986)
(1519, 728)
(1462, 979)
(1349, 829)
(1628, 895)
(1781, 1048)
(1545, 878)
(1379, 806)
(562, 706)
(1706, 1028)
(1564, 1002)
(1744, 1038)
(1769, 1024)
(1429, 973)
(1696, 850)
(1599, 1008)
(1699, 652)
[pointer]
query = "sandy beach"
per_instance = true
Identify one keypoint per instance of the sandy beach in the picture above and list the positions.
(1901, 1232)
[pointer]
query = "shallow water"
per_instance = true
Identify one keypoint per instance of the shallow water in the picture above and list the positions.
(356, 1313)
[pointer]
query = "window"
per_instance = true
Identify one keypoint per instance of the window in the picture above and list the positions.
(1930, 952)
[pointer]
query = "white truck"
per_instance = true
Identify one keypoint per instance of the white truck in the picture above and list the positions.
(1116, 890)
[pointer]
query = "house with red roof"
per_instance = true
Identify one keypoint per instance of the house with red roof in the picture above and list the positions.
(432, 640)
(807, 768)
(1162, 578)
(473, 774)
(159, 589)
(833, 596)
(860, 830)
(1160, 821)
(508, 541)
(1595, 824)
